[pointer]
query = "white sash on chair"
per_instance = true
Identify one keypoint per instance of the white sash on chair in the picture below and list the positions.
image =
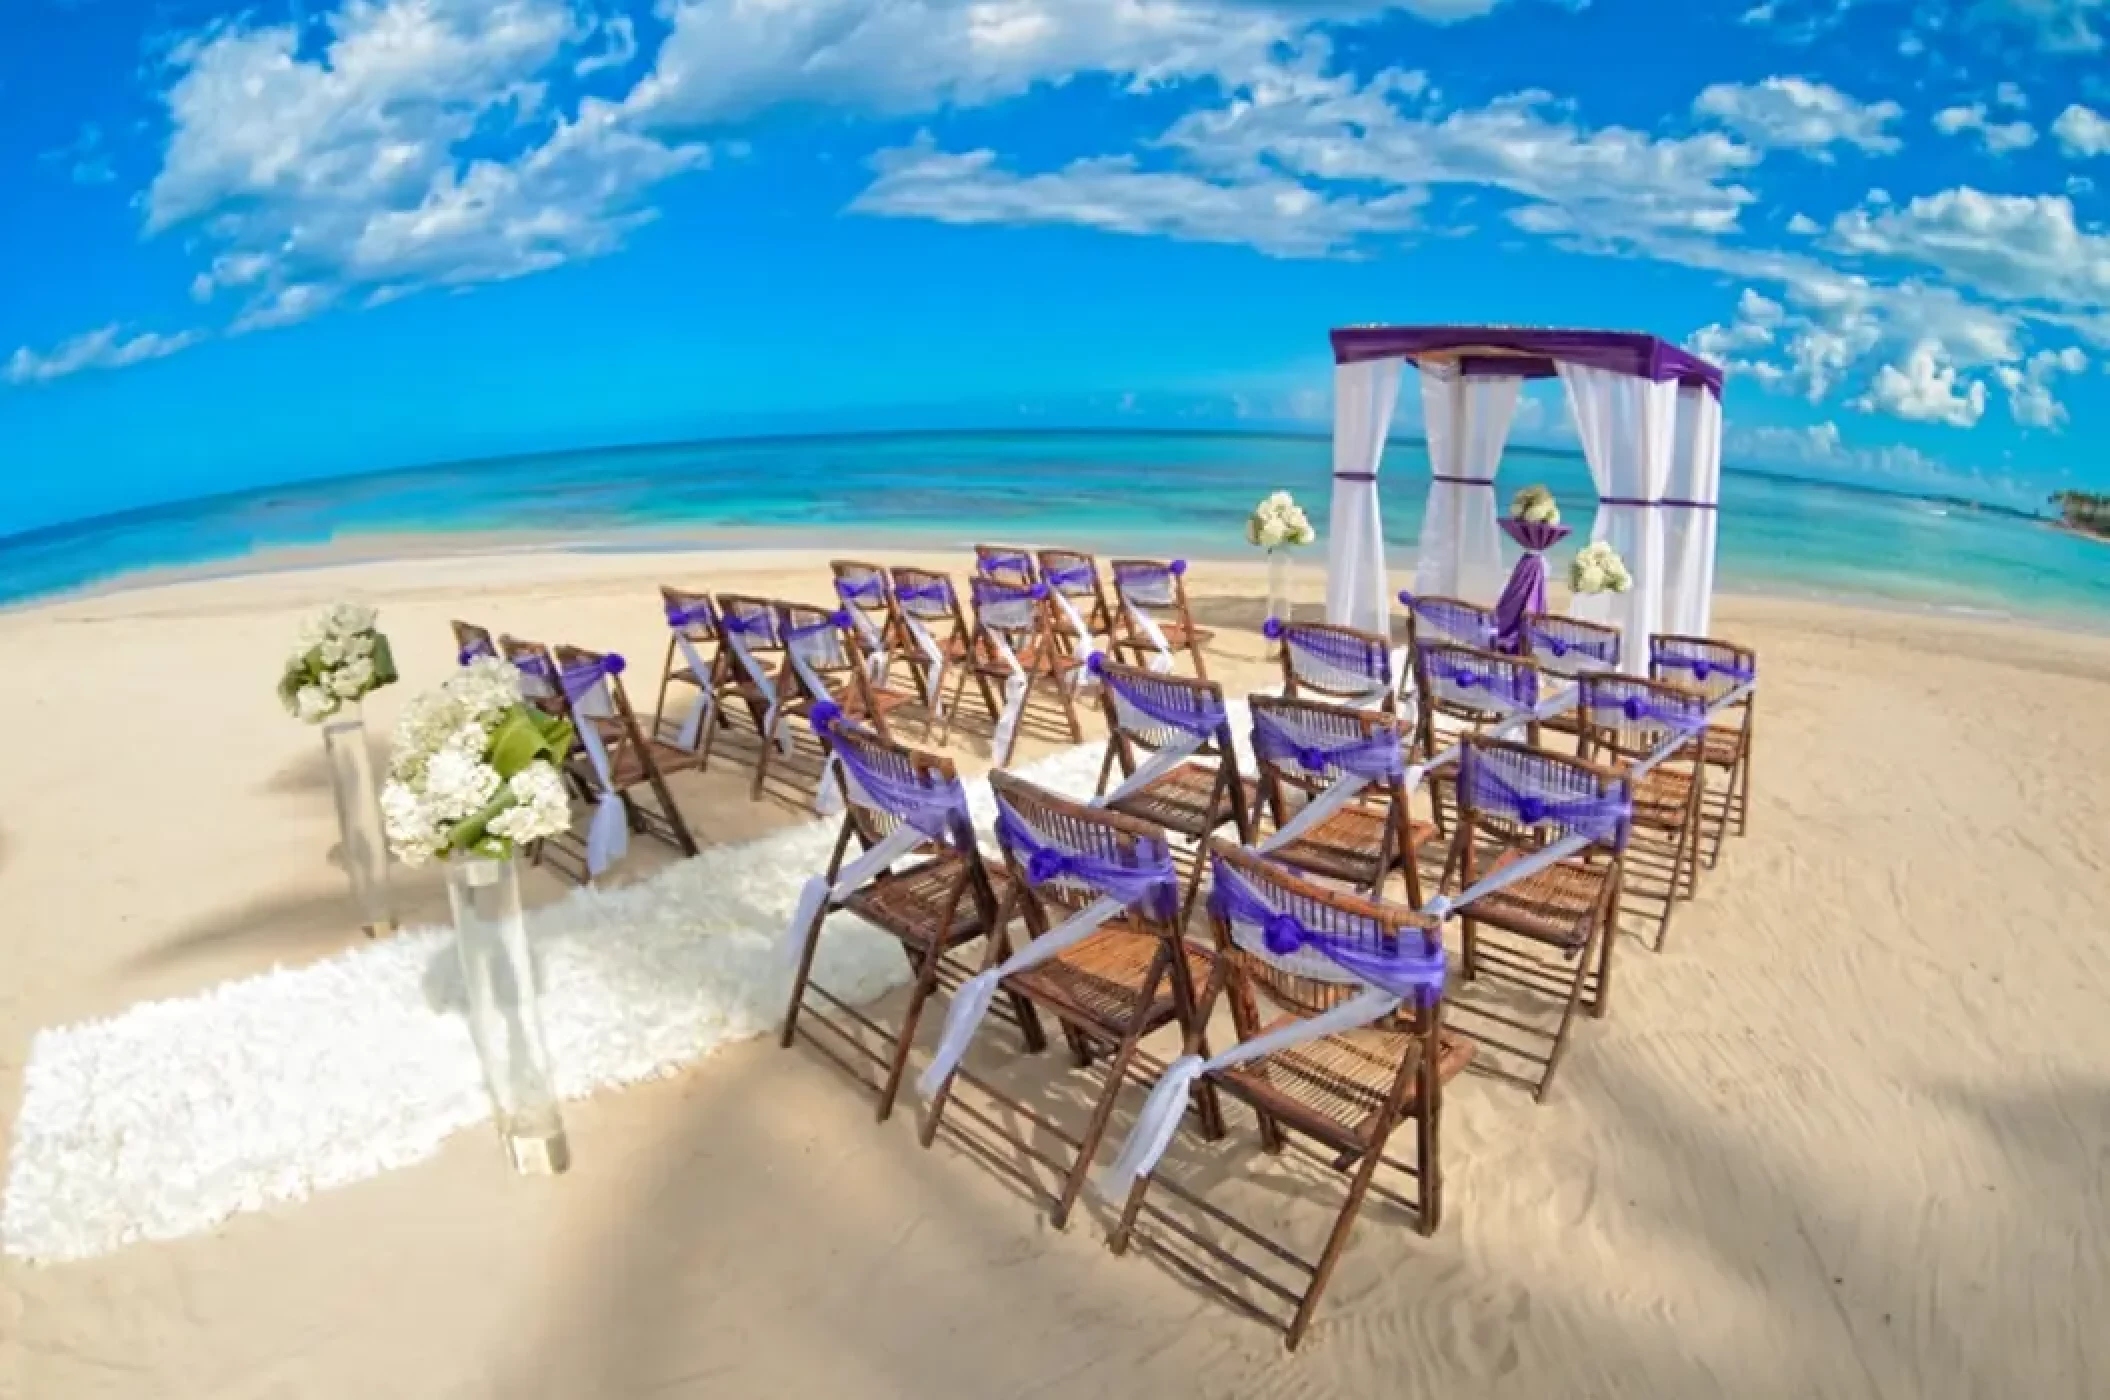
(1161, 761)
(608, 833)
(759, 674)
(872, 638)
(934, 683)
(817, 892)
(1015, 687)
(1081, 676)
(829, 800)
(706, 701)
(1160, 660)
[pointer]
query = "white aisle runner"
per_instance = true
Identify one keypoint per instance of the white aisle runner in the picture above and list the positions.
(172, 1116)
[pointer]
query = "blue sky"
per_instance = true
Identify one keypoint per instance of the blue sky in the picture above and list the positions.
(302, 238)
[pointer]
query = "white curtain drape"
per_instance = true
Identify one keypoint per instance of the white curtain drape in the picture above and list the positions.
(1690, 532)
(1467, 423)
(1364, 395)
(1626, 425)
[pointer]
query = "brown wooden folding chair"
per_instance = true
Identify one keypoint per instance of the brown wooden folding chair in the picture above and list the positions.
(1012, 646)
(1434, 620)
(748, 668)
(1104, 957)
(540, 689)
(1332, 661)
(1075, 576)
(1551, 932)
(900, 805)
(1717, 668)
(635, 759)
(1304, 748)
(1650, 732)
(866, 591)
(938, 636)
(1187, 780)
(470, 642)
(823, 665)
(693, 647)
(1569, 648)
(1155, 621)
(1345, 1092)
(1464, 690)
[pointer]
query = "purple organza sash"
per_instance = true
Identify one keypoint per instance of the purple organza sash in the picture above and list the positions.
(1204, 716)
(1601, 649)
(1409, 968)
(757, 625)
(1632, 708)
(1076, 578)
(474, 651)
(937, 593)
(867, 592)
(1015, 561)
(937, 809)
(679, 617)
(1604, 819)
(1379, 758)
(1525, 593)
(833, 622)
(1705, 667)
(1513, 687)
(1152, 886)
(533, 665)
(1457, 621)
(1350, 655)
(576, 681)
(1148, 583)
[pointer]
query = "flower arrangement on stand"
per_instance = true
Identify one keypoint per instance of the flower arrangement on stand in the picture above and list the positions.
(1534, 523)
(1278, 525)
(339, 658)
(477, 775)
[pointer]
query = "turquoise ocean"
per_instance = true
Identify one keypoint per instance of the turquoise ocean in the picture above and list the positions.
(1161, 493)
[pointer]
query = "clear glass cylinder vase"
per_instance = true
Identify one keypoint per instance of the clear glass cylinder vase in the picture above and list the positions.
(360, 842)
(505, 1015)
(1278, 604)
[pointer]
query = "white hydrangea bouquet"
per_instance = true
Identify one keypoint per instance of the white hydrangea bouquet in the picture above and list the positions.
(338, 659)
(475, 770)
(1279, 522)
(1597, 568)
(1536, 506)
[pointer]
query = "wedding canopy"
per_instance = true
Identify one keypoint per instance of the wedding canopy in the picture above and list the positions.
(1650, 419)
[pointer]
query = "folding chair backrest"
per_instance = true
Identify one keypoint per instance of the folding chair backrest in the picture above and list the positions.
(1280, 953)
(1016, 610)
(1153, 585)
(1435, 619)
(693, 615)
(1153, 710)
(1045, 837)
(593, 681)
(1570, 647)
(1526, 797)
(1005, 563)
(1072, 574)
(1707, 664)
(1474, 686)
(538, 674)
(824, 642)
(1628, 717)
(1311, 745)
(471, 642)
(1335, 660)
(889, 784)
(865, 588)
(927, 596)
(755, 619)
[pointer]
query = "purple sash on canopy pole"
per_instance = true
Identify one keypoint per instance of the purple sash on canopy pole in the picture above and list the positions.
(1525, 593)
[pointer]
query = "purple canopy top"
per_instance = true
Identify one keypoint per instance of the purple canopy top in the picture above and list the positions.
(1526, 352)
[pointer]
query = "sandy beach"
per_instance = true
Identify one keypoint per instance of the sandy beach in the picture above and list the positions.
(1848, 1136)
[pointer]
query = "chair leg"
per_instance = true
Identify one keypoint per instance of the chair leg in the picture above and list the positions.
(1335, 1243)
(1118, 1240)
(1116, 1073)
(1743, 788)
(926, 983)
(1583, 960)
(1608, 934)
(812, 934)
(769, 743)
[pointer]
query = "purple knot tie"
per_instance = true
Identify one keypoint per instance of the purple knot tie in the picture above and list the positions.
(1045, 865)
(1176, 567)
(840, 617)
(825, 716)
(1282, 934)
(1467, 678)
(1635, 707)
(613, 664)
(1530, 811)
(1312, 760)
(1406, 598)
(1272, 629)
(1701, 670)
(1096, 662)
(1557, 647)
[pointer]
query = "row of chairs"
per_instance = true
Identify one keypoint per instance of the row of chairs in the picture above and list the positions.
(1299, 855)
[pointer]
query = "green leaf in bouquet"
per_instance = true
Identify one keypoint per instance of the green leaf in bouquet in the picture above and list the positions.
(384, 663)
(466, 834)
(516, 741)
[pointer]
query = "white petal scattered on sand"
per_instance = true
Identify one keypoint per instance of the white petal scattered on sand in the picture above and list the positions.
(167, 1119)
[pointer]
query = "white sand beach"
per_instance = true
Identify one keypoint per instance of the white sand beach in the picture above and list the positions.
(1848, 1136)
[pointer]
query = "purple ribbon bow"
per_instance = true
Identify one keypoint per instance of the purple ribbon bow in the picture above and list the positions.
(1205, 720)
(1378, 757)
(865, 590)
(579, 679)
(937, 809)
(678, 616)
(1152, 885)
(1411, 968)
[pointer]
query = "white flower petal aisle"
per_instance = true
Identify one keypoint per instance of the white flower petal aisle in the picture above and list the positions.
(167, 1119)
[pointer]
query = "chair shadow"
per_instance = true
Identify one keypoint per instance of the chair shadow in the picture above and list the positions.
(284, 927)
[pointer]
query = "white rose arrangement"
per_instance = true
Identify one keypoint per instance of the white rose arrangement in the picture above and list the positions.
(1597, 568)
(1278, 522)
(338, 659)
(475, 770)
(1535, 505)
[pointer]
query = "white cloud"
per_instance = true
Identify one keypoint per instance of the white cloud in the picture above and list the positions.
(104, 348)
(1997, 137)
(2024, 249)
(1279, 216)
(2011, 95)
(2058, 26)
(342, 170)
(1799, 114)
(2082, 131)
(1803, 225)
(621, 48)
(1927, 389)
(1822, 450)
(2029, 391)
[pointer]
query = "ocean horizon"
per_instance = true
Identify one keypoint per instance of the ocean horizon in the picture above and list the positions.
(1156, 492)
